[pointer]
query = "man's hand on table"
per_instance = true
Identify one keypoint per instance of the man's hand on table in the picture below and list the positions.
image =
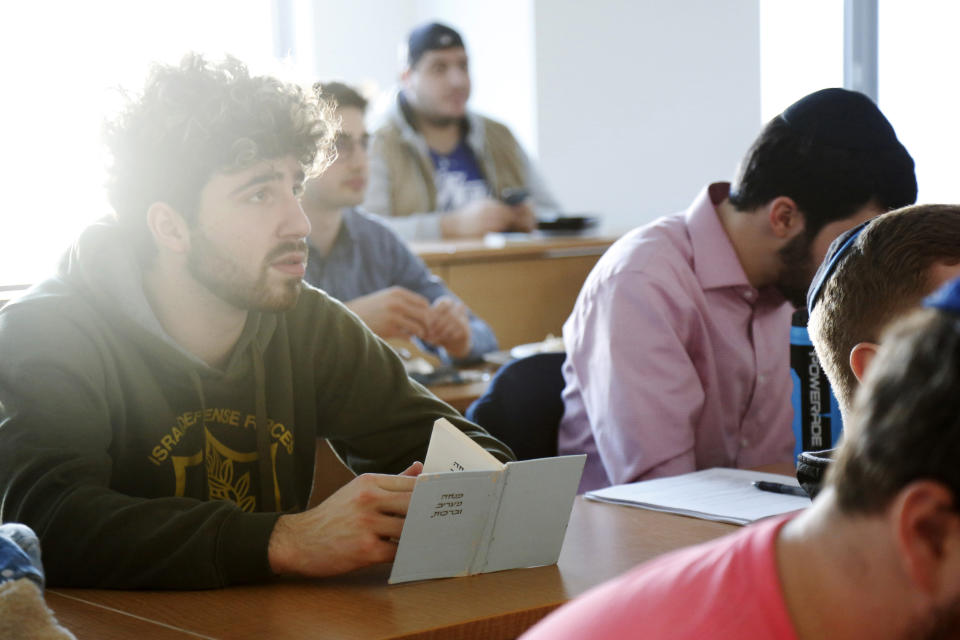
(359, 525)
(486, 215)
(449, 326)
(400, 313)
(394, 312)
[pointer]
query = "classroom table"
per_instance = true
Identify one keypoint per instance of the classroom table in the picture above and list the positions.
(602, 541)
(523, 287)
(461, 396)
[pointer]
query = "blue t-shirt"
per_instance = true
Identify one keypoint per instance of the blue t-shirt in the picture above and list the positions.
(457, 177)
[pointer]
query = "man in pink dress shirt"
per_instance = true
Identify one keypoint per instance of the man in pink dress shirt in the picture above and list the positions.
(876, 556)
(678, 345)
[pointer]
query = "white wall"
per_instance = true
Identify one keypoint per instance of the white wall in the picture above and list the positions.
(357, 41)
(639, 104)
(360, 42)
(630, 106)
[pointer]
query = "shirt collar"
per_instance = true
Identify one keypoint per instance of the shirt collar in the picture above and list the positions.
(348, 224)
(342, 241)
(714, 259)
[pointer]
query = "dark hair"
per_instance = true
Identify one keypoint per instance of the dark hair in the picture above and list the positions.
(827, 182)
(883, 274)
(905, 424)
(340, 95)
(200, 118)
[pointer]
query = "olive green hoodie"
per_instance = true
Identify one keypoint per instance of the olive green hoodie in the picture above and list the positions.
(140, 466)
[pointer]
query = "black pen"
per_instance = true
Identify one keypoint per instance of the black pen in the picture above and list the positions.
(776, 487)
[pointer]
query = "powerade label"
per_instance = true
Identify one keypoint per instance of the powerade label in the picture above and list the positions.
(816, 415)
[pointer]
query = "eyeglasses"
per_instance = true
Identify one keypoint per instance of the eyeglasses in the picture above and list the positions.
(838, 248)
(347, 145)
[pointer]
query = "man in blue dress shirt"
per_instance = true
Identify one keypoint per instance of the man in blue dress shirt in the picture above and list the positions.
(356, 257)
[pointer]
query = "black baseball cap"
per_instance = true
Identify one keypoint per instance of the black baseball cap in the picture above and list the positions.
(428, 37)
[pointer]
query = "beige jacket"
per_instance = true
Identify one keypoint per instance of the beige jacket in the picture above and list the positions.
(402, 187)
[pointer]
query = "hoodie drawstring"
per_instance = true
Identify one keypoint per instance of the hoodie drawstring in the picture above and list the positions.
(198, 387)
(269, 491)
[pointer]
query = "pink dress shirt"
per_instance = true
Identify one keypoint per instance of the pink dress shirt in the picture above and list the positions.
(674, 361)
(727, 589)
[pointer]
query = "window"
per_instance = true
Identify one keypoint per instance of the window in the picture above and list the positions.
(918, 89)
(801, 51)
(66, 61)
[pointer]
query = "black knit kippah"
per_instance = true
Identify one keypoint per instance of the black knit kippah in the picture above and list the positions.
(428, 37)
(841, 118)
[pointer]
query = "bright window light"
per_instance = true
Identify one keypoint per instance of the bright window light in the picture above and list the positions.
(919, 92)
(63, 64)
(801, 51)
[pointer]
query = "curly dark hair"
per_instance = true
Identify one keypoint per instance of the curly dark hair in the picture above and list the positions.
(202, 118)
(340, 94)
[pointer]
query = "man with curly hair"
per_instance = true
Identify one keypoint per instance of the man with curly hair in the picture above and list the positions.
(161, 397)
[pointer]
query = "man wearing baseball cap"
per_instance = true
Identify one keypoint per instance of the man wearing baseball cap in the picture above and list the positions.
(677, 347)
(438, 170)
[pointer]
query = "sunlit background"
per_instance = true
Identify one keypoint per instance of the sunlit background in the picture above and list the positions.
(628, 106)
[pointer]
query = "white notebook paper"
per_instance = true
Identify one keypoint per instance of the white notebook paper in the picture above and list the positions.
(724, 495)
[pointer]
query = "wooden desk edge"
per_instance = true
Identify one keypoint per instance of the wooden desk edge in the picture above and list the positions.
(505, 627)
(444, 253)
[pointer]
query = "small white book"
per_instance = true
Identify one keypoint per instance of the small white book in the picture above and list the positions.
(471, 513)
(724, 495)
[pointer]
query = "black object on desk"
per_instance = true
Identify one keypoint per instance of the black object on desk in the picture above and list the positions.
(440, 375)
(514, 196)
(572, 222)
(776, 487)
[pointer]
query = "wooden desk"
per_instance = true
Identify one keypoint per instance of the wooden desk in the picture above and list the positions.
(524, 289)
(602, 541)
(460, 396)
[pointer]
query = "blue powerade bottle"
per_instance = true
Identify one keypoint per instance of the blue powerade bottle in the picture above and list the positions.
(817, 422)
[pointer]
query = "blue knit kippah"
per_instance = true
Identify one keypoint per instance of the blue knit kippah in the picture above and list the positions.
(838, 248)
(946, 298)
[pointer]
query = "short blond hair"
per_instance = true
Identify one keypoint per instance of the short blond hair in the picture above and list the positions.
(883, 274)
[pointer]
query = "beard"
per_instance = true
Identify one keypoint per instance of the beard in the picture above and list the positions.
(224, 276)
(943, 623)
(797, 270)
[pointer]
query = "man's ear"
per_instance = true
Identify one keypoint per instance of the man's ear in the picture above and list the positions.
(786, 220)
(860, 357)
(169, 228)
(927, 532)
(405, 77)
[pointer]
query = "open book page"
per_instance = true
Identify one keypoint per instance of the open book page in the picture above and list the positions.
(534, 510)
(724, 495)
(452, 450)
(445, 523)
